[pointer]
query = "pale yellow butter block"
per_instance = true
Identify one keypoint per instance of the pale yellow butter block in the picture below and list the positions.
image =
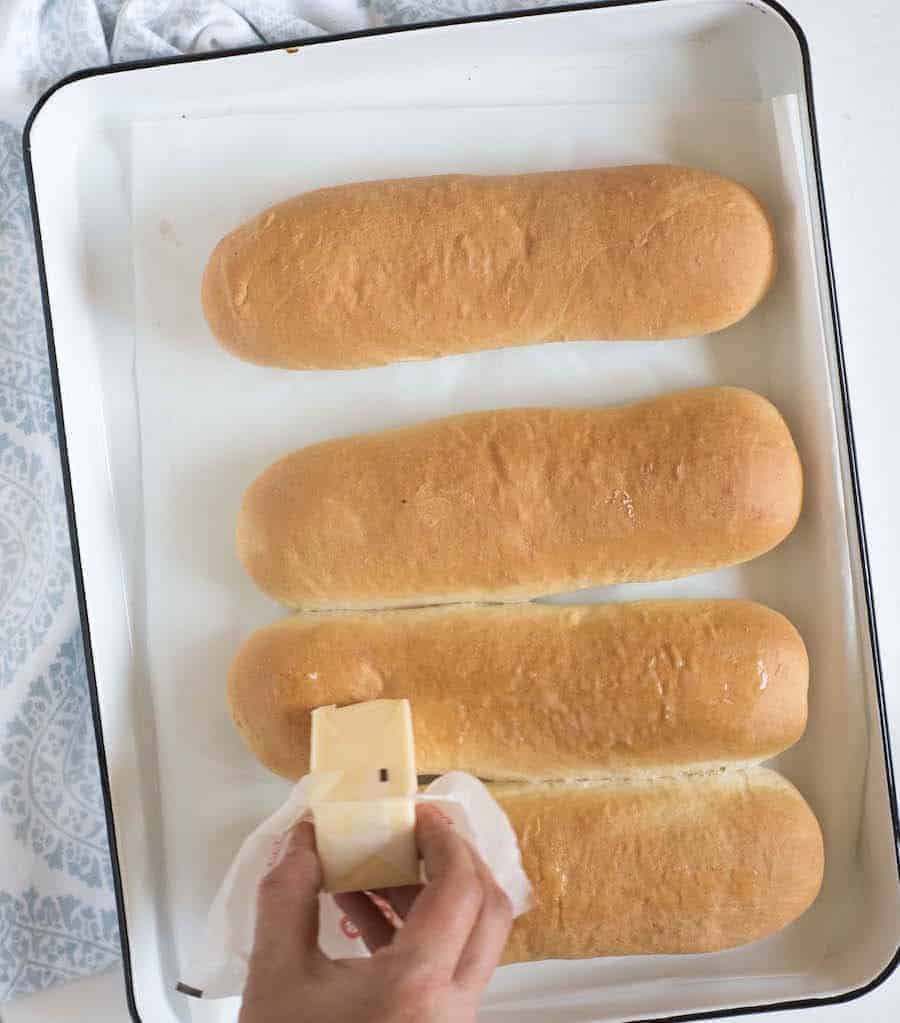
(370, 745)
(364, 772)
(367, 845)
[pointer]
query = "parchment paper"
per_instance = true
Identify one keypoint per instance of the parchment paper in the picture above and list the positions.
(210, 423)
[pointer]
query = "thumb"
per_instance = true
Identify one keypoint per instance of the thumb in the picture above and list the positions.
(287, 918)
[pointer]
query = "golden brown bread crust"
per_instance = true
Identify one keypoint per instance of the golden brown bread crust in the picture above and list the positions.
(372, 273)
(676, 866)
(536, 691)
(518, 503)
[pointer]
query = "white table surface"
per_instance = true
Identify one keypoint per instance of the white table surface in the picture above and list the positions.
(856, 73)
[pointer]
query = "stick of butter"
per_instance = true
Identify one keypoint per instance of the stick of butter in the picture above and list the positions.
(363, 763)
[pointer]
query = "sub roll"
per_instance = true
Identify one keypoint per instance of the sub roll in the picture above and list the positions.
(536, 691)
(517, 503)
(381, 271)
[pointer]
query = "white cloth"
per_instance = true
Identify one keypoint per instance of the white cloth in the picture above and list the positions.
(57, 912)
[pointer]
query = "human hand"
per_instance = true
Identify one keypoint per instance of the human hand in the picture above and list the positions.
(432, 969)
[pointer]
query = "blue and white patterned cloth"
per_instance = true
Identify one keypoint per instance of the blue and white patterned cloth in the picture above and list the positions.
(57, 911)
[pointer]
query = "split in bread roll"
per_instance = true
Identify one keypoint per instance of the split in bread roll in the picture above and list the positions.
(372, 273)
(674, 866)
(519, 503)
(536, 691)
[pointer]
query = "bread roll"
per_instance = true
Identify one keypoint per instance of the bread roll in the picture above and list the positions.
(536, 691)
(679, 865)
(372, 273)
(517, 503)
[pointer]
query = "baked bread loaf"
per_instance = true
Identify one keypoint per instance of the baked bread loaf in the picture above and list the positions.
(679, 865)
(373, 273)
(518, 503)
(536, 691)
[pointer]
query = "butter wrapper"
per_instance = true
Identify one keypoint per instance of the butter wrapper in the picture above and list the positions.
(218, 966)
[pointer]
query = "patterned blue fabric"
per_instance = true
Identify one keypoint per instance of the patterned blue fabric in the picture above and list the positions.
(57, 912)
(57, 917)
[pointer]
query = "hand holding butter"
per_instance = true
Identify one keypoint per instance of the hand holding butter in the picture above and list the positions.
(362, 799)
(432, 969)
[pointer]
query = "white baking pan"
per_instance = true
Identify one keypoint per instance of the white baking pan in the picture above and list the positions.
(136, 171)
